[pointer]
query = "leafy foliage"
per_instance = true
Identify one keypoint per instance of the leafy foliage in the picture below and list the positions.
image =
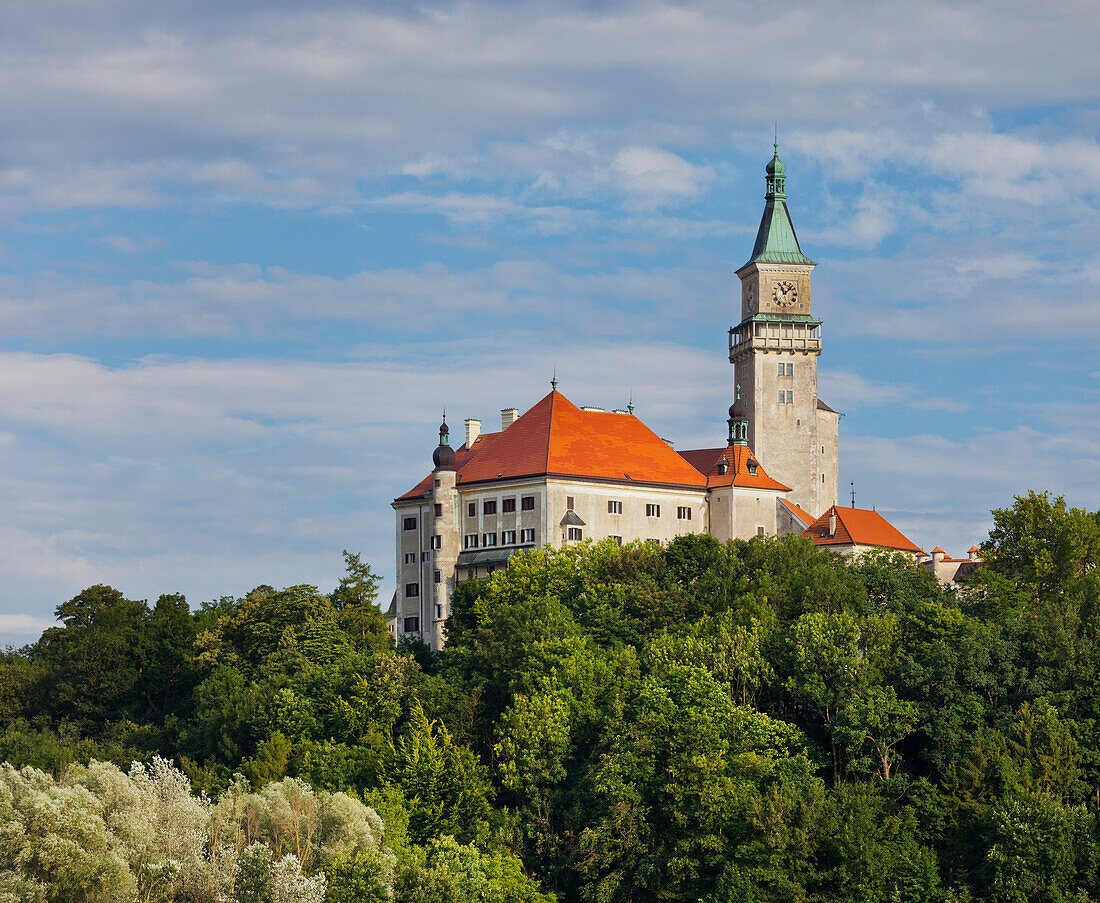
(755, 721)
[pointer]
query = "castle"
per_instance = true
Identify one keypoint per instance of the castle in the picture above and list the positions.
(560, 474)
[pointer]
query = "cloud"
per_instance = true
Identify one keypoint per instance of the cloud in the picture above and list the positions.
(481, 210)
(653, 175)
(23, 624)
(295, 104)
(245, 300)
(126, 244)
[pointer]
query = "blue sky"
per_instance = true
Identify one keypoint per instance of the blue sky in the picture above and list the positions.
(248, 250)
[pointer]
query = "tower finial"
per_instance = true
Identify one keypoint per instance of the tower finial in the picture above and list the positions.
(554, 380)
(775, 143)
(630, 404)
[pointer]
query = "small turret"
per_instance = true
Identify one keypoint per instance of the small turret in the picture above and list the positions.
(776, 175)
(739, 421)
(444, 455)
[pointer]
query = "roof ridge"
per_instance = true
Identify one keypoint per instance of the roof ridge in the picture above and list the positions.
(549, 431)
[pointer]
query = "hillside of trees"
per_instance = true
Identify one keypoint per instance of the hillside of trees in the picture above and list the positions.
(757, 721)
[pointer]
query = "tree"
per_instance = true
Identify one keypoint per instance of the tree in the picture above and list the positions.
(443, 782)
(356, 600)
(871, 725)
(1043, 543)
(94, 658)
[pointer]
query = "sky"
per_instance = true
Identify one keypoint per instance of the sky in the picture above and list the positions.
(249, 250)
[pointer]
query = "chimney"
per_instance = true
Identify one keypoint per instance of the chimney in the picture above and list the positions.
(669, 443)
(508, 416)
(473, 430)
(832, 523)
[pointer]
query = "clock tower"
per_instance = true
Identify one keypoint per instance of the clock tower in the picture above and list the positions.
(774, 351)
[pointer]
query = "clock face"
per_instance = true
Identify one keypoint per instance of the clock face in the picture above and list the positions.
(784, 294)
(750, 296)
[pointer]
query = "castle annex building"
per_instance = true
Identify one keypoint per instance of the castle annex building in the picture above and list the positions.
(560, 474)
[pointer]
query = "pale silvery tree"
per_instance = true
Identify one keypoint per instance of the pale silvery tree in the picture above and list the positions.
(159, 826)
(53, 838)
(289, 885)
(290, 818)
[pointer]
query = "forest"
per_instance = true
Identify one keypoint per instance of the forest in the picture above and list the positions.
(756, 721)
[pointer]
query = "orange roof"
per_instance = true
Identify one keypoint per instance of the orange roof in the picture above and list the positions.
(800, 513)
(860, 527)
(556, 438)
(938, 549)
(973, 549)
(737, 457)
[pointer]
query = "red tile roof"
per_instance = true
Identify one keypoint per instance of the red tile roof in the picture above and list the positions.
(737, 457)
(556, 438)
(800, 513)
(860, 527)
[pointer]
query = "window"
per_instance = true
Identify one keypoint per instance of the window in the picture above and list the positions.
(790, 399)
(437, 481)
(412, 625)
(574, 533)
(410, 558)
(569, 502)
(410, 523)
(489, 539)
(469, 541)
(437, 541)
(471, 509)
(652, 510)
(508, 538)
(527, 503)
(618, 540)
(438, 510)
(823, 478)
(412, 590)
(753, 464)
(424, 556)
(437, 577)
(786, 397)
(526, 536)
(759, 531)
(489, 507)
(614, 507)
(790, 369)
(508, 506)
(438, 612)
(683, 513)
(786, 369)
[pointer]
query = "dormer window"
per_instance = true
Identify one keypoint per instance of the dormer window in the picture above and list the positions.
(723, 466)
(752, 467)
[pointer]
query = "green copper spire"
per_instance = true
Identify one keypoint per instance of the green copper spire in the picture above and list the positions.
(776, 241)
